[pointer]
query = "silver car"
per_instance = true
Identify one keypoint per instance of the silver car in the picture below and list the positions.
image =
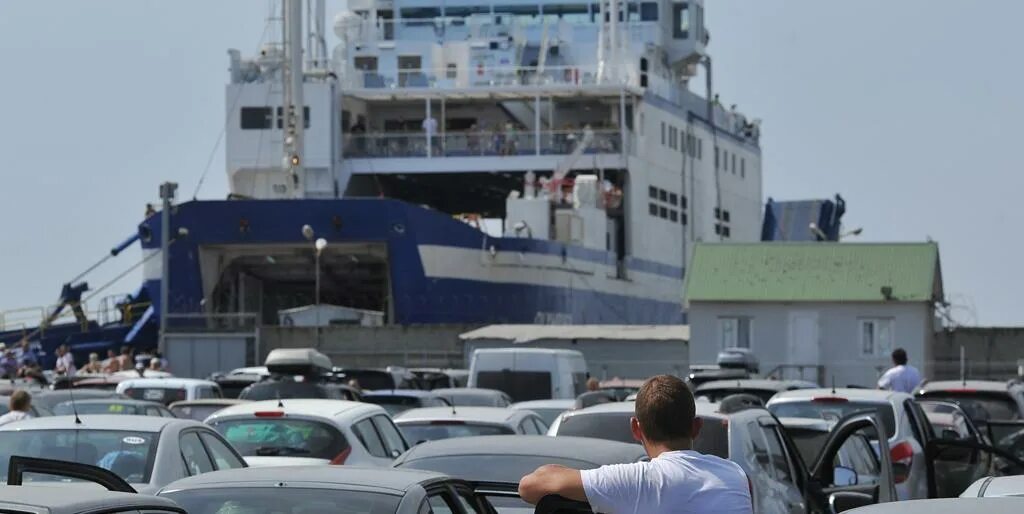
(146, 451)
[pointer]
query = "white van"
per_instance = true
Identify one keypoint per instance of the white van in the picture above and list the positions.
(529, 373)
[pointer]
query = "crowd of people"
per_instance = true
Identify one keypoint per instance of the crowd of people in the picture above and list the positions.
(24, 361)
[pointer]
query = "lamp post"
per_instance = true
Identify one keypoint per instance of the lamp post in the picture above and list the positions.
(167, 190)
(319, 245)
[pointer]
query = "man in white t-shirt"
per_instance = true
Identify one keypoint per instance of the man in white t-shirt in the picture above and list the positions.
(65, 362)
(902, 376)
(20, 405)
(676, 479)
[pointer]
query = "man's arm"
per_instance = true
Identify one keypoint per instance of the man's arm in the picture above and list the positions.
(552, 479)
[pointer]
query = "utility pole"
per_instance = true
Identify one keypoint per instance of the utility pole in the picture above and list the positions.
(167, 190)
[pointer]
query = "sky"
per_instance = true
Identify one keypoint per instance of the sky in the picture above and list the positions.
(911, 110)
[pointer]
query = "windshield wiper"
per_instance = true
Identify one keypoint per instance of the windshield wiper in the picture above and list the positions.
(274, 451)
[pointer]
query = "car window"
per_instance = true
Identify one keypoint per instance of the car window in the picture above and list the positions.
(393, 441)
(470, 503)
(222, 455)
(980, 406)
(779, 459)
(152, 411)
(283, 437)
(192, 451)
(129, 454)
(858, 454)
(834, 409)
(429, 431)
(713, 438)
(756, 454)
(526, 427)
(370, 438)
(605, 425)
(440, 504)
(542, 427)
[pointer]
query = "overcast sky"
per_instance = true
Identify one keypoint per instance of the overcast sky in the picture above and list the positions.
(911, 109)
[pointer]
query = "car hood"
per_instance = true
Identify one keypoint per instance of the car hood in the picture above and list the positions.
(263, 462)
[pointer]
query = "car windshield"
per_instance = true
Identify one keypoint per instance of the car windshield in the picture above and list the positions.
(520, 385)
(67, 408)
(432, 431)
(370, 380)
(832, 410)
(492, 467)
(164, 395)
(283, 500)
(283, 390)
(475, 400)
(277, 437)
(393, 404)
(716, 395)
(604, 425)
(549, 415)
(196, 412)
(129, 454)
(980, 407)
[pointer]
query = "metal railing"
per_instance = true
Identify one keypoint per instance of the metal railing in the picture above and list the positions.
(487, 77)
(30, 318)
(479, 143)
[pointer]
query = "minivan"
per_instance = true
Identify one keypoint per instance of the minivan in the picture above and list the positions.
(529, 373)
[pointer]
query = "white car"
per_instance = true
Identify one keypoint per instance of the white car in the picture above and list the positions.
(905, 422)
(548, 410)
(169, 390)
(433, 423)
(297, 432)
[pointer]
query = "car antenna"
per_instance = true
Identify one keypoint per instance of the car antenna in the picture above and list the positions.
(74, 408)
(280, 404)
(833, 384)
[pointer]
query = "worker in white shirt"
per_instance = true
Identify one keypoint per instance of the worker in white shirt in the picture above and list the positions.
(901, 377)
(677, 479)
(65, 362)
(21, 407)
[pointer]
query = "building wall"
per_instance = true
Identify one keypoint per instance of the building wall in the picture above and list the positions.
(610, 359)
(839, 336)
(989, 352)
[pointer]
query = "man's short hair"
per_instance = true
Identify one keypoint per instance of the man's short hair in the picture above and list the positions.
(899, 356)
(665, 409)
(20, 400)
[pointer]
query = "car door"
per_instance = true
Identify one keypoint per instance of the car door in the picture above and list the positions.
(953, 465)
(839, 488)
(782, 466)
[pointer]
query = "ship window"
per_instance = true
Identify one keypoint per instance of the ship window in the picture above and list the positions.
(733, 164)
(280, 117)
(573, 13)
(648, 11)
(673, 215)
(718, 214)
(663, 133)
(682, 218)
(653, 209)
(255, 118)
(725, 216)
(652, 192)
(420, 13)
(682, 201)
(673, 199)
(663, 195)
(466, 10)
(366, 63)
(663, 212)
(681, 21)
(743, 168)
(453, 70)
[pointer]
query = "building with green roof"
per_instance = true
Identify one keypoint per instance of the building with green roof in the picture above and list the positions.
(817, 310)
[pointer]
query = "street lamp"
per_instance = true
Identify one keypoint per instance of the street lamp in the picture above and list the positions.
(319, 245)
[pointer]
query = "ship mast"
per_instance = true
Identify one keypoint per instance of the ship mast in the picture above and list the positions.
(292, 108)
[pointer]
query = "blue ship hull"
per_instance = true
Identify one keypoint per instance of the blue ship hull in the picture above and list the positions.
(420, 295)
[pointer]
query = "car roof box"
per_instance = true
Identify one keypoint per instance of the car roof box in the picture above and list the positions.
(297, 361)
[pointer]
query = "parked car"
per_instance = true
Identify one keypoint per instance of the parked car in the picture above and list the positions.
(905, 423)
(169, 390)
(287, 388)
(947, 506)
(620, 388)
(996, 487)
(327, 490)
(199, 410)
(809, 436)
(435, 423)
(437, 378)
(297, 432)
(474, 397)
(371, 379)
(35, 410)
(396, 401)
(116, 406)
(548, 410)
(983, 400)
(715, 390)
(754, 439)
(46, 400)
(529, 373)
(233, 382)
(145, 451)
(507, 458)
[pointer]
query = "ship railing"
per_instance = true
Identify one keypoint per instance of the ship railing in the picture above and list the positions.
(472, 143)
(489, 77)
(488, 26)
(32, 321)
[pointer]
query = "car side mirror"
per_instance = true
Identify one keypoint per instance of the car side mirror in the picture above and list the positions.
(844, 476)
(842, 501)
(950, 435)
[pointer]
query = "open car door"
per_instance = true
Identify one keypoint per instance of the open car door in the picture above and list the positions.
(953, 465)
(837, 488)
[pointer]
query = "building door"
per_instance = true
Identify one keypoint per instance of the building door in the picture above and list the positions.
(803, 351)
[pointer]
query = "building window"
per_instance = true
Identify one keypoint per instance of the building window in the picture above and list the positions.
(733, 164)
(673, 199)
(673, 215)
(735, 332)
(663, 195)
(453, 70)
(725, 216)
(875, 337)
(682, 201)
(682, 218)
(743, 168)
(256, 118)
(718, 213)
(652, 209)
(663, 212)
(649, 11)
(663, 133)
(652, 192)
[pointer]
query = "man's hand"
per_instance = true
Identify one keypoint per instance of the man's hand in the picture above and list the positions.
(552, 479)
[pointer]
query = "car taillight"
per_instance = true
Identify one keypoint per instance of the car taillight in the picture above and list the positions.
(340, 458)
(902, 456)
(829, 399)
(269, 414)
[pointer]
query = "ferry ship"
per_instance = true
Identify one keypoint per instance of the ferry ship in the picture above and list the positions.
(505, 161)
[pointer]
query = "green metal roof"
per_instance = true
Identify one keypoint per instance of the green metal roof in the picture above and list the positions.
(797, 272)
